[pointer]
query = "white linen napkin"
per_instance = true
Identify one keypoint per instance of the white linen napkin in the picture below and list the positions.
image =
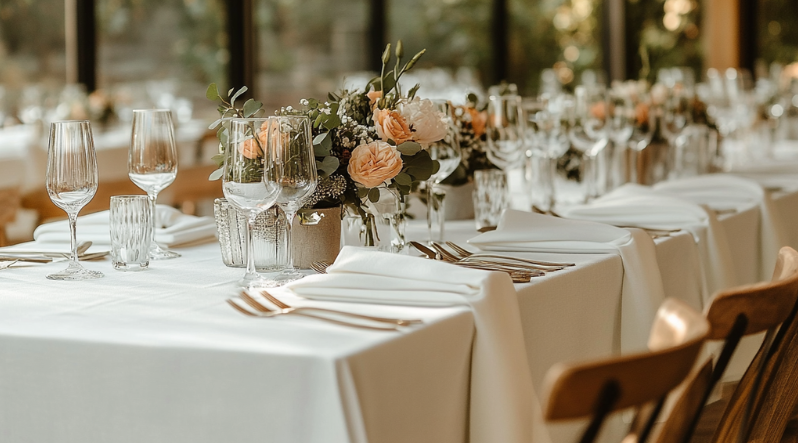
(723, 191)
(641, 206)
(503, 404)
(172, 228)
(642, 290)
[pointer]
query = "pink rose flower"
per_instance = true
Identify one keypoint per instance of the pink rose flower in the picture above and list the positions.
(391, 125)
(373, 163)
(373, 97)
(250, 149)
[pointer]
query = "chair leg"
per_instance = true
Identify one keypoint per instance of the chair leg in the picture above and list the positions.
(610, 393)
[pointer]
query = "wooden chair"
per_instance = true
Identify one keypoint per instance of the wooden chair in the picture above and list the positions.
(9, 204)
(191, 186)
(735, 313)
(578, 390)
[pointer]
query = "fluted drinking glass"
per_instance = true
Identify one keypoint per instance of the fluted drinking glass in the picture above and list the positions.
(71, 183)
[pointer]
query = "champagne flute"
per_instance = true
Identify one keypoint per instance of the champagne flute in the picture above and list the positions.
(447, 153)
(249, 181)
(589, 133)
(547, 137)
(505, 131)
(294, 170)
(152, 161)
(71, 183)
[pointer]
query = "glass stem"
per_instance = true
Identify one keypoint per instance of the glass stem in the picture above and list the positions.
(73, 257)
(251, 243)
(290, 213)
(153, 196)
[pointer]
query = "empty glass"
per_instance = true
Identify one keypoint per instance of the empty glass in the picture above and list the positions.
(152, 160)
(294, 170)
(505, 132)
(590, 133)
(447, 153)
(131, 232)
(490, 197)
(248, 182)
(72, 182)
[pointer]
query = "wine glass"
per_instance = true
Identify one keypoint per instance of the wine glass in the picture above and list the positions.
(248, 181)
(505, 131)
(152, 161)
(621, 119)
(294, 170)
(71, 183)
(589, 133)
(547, 137)
(447, 153)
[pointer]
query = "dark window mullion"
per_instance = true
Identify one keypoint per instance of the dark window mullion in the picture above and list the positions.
(241, 45)
(85, 43)
(377, 33)
(500, 41)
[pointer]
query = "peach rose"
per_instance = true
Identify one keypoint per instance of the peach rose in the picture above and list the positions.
(373, 97)
(373, 163)
(391, 125)
(249, 148)
(641, 114)
(478, 121)
(599, 110)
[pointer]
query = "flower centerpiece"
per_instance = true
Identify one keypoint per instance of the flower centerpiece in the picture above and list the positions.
(365, 140)
(470, 120)
(372, 139)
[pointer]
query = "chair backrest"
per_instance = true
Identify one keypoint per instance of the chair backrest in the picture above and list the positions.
(765, 305)
(680, 421)
(766, 395)
(573, 389)
(192, 185)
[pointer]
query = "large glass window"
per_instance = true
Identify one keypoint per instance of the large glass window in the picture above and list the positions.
(663, 34)
(557, 38)
(305, 47)
(778, 31)
(456, 35)
(175, 47)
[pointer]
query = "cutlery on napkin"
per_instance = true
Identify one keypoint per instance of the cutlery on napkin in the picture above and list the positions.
(642, 290)
(173, 228)
(503, 401)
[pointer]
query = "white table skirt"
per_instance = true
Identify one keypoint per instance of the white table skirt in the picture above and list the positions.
(158, 356)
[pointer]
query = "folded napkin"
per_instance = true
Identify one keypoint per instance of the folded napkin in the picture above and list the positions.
(172, 228)
(503, 404)
(642, 291)
(723, 191)
(642, 206)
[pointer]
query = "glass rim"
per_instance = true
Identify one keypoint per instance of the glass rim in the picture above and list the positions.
(130, 197)
(63, 122)
(152, 110)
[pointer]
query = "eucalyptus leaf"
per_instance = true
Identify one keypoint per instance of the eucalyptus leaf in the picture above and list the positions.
(333, 121)
(238, 94)
(215, 124)
(362, 192)
(374, 195)
(403, 179)
(328, 165)
(319, 138)
(388, 82)
(251, 107)
(212, 93)
(216, 175)
(409, 148)
(230, 92)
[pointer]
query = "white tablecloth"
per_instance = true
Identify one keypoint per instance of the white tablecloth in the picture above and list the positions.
(158, 356)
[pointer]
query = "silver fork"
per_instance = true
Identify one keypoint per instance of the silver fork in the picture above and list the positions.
(7, 264)
(466, 253)
(534, 269)
(280, 304)
(264, 312)
(320, 266)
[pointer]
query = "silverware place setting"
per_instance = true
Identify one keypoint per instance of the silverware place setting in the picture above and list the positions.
(252, 307)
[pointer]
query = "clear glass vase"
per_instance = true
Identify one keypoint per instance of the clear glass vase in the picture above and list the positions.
(383, 227)
(269, 237)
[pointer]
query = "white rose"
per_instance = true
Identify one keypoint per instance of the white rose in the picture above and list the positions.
(427, 124)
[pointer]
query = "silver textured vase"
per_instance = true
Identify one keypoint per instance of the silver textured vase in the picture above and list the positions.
(269, 237)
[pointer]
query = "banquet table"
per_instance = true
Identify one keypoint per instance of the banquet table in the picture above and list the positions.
(157, 355)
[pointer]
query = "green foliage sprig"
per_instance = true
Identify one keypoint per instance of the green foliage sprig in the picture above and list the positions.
(227, 110)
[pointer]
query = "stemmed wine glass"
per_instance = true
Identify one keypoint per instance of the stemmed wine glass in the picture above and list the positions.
(152, 161)
(294, 171)
(248, 181)
(505, 131)
(547, 136)
(589, 133)
(621, 119)
(448, 154)
(71, 183)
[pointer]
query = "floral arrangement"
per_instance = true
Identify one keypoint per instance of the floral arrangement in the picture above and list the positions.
(364, 140)
(471, 120)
